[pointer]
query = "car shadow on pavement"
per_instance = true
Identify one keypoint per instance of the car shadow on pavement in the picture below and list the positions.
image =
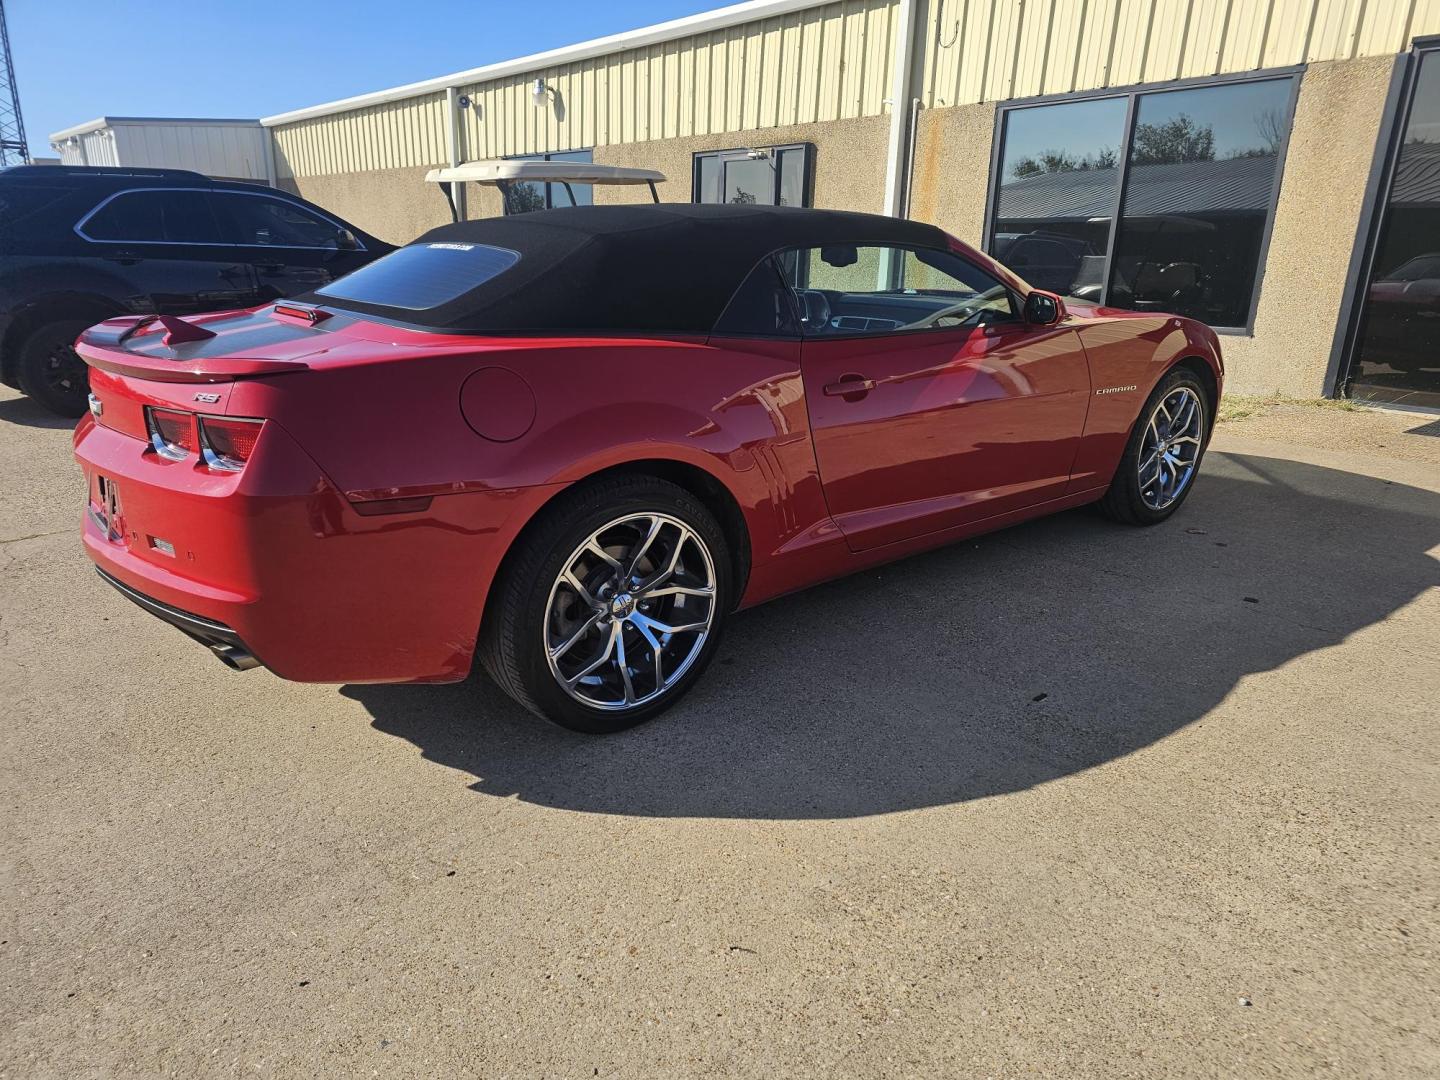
(981, 669)
(30, 413)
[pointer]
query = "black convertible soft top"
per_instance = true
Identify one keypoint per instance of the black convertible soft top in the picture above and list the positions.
(668, 268)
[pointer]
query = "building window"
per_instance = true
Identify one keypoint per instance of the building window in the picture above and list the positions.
(530, 195)
(763, 175)
(1156, 201)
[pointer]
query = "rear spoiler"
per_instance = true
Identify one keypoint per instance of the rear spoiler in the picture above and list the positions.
(104, 346)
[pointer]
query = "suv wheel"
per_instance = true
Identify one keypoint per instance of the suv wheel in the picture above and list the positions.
(51, 371)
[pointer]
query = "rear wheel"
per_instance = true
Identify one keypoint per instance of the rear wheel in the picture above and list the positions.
(612, 607)
(1163, 455)
(51, 371)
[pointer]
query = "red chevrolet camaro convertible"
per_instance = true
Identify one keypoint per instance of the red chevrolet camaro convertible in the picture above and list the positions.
(572, 443)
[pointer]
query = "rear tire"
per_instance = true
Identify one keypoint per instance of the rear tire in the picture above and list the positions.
(574, 621)
(51, 371)
(1162, 458)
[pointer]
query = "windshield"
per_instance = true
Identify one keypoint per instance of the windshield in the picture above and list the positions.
(422, 276)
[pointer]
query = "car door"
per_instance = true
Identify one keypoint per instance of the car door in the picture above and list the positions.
(291, 248)
(933, 403)
(164, 244)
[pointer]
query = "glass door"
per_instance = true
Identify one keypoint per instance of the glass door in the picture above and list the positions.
(1396, 354)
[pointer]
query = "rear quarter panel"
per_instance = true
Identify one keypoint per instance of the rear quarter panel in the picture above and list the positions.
(387, 423)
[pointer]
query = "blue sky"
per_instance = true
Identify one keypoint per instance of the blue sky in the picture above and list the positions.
(79, 59)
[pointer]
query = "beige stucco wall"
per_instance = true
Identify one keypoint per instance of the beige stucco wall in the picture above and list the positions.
(396, 205)
(849, 161)
(952, 169)
(1322, 192)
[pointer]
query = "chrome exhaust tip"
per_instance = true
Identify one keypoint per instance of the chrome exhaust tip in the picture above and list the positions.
(233, 658)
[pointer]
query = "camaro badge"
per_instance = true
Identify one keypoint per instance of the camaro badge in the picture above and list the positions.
(1115, 389)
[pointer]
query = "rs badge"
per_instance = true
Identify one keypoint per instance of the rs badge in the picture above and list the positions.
(208, 399)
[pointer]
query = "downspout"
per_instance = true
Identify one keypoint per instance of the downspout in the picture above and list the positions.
(455, 144)
(909, 185)
(908, 24)
(267, 148)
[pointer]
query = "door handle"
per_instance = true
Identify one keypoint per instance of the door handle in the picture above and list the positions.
(850, 386)
(125, 258)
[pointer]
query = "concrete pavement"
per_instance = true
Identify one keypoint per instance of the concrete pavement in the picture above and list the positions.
(1069, 800)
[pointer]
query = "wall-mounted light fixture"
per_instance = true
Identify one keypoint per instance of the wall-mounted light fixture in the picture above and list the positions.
(540, 93)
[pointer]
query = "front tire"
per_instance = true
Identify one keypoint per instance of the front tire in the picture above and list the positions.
(610, 606)
(1162, 458)
(51, 371)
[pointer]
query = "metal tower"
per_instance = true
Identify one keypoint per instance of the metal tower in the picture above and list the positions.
(13, 150)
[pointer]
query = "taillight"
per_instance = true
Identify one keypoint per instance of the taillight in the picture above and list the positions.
(172, 434)
(227, 443)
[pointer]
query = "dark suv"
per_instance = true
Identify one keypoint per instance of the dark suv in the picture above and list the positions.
(78, 245)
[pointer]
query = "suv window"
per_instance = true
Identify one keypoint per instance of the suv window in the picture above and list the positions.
(860, 289)
(269, 222)
(157, 216)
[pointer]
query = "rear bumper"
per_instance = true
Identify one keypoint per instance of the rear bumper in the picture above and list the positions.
(219, 638)
(274, 563)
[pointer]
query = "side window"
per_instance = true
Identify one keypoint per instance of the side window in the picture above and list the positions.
(158, 216)
(260, 220)
(761, 307)
(871, 289)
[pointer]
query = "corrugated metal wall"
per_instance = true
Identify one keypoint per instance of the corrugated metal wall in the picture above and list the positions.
(98, 149)
(396, 135)
(233, 150)
(825, 63)
(990, 50)
(833, 61)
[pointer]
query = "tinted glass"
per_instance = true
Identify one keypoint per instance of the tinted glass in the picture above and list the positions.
(261, 220)
(1198, 192)
(523, 197)
(422, 276)
(707, 178)
(792, 177)
(760, 307)
(760, 176)
(158, 216)
(1059, 180)
(1397, 353)
(749, 180)
(857, 289)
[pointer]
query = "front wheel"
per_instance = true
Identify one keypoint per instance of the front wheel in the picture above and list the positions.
(611, 606)
(1163, 455)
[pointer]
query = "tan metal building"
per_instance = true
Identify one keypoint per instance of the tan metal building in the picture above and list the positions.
(1235, 159)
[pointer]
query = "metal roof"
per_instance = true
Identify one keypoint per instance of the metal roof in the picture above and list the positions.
(101, 122)
(1228, 186)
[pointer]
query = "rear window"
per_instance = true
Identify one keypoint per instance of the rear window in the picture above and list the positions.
(422, 276)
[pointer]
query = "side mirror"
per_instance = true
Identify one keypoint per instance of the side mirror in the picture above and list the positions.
(345, 240)
(1043, 308)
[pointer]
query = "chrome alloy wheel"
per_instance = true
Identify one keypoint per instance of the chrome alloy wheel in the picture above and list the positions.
(1170, 448)
(630, 611)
